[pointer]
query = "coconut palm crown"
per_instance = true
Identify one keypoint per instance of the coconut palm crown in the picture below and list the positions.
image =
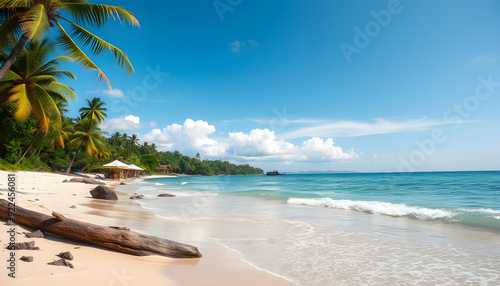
(31, 19)
(94, 110)
(31, 85)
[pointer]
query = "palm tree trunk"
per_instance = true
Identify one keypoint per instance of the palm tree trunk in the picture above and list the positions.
(74, 157)
(38, 154)
(11, 59)
(27, 150)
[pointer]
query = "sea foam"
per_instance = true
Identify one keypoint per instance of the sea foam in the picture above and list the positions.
(376, 207)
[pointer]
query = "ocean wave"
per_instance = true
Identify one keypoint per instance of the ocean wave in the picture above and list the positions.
(485, 212)
(376, 207)
(183, 183)
(159, 184)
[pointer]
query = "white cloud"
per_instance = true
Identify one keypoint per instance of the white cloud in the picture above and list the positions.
(191, 136)
(129, 122)
(315, 149)
(253, 43)
(487, 58)
(260, 142)
(112, 93)
(284, 121)
(258, 145)
(236, 46)
(355, 129)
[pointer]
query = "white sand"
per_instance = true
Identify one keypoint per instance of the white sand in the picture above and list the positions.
(45, 192)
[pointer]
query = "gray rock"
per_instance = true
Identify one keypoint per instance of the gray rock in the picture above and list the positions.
(103, 193)
(26, 258)
(35, 234)
(137, 197)
(165, 196)
(66, 255)
(61, 262)
(23, 245)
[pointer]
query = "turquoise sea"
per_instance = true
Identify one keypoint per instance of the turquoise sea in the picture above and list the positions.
(346, 229)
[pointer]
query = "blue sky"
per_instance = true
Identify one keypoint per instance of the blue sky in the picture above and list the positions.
(268, 83)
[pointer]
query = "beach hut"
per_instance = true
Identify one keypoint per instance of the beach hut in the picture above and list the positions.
(116, 169)
(164, 169)
(136, 170)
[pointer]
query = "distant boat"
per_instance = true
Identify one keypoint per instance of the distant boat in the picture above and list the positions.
(272, 173)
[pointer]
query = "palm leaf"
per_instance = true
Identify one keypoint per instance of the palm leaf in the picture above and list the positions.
(11, 75)
(10, 4)
(22, 105)
(61, 74)
(78, 55)
(45, 108)
(98, 15)
(43, 79)
(98, 45)
(62, 90)
(55, 62)
(35, 22)
(9, 29)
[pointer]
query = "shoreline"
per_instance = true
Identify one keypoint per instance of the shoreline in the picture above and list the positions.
(45, 192)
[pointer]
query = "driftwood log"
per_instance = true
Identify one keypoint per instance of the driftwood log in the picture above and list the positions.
(119, 239)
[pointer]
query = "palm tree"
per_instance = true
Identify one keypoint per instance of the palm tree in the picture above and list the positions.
(95, 110)
(115, 138)
(30, 19)
(88, 136)
(31, 85)
(134, 139)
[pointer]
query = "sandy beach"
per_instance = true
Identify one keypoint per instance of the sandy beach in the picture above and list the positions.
(45, 193)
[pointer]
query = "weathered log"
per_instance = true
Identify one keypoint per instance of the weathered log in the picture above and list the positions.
(122, 240)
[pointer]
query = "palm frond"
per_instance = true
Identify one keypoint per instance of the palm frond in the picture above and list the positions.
(98, 15)
(9, 30)
(61, 74)
(45, 108)
(56, 62)
(98, 45)
(22, 105)
(62, 90)
(35, 22)
(43, 79)
(11, 75)
(78, 55)
(10, 4)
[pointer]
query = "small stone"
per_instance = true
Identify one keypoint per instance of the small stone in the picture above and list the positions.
(10, 222)
(72, 207)
(122, 183)
(66, 255)
(61, 262)
(165, 196)
(76, 247)
(137, 197)
(24, 245)
(37, 200)
(35, 234)
(26, 258)
(65, 181)
(74, 195)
